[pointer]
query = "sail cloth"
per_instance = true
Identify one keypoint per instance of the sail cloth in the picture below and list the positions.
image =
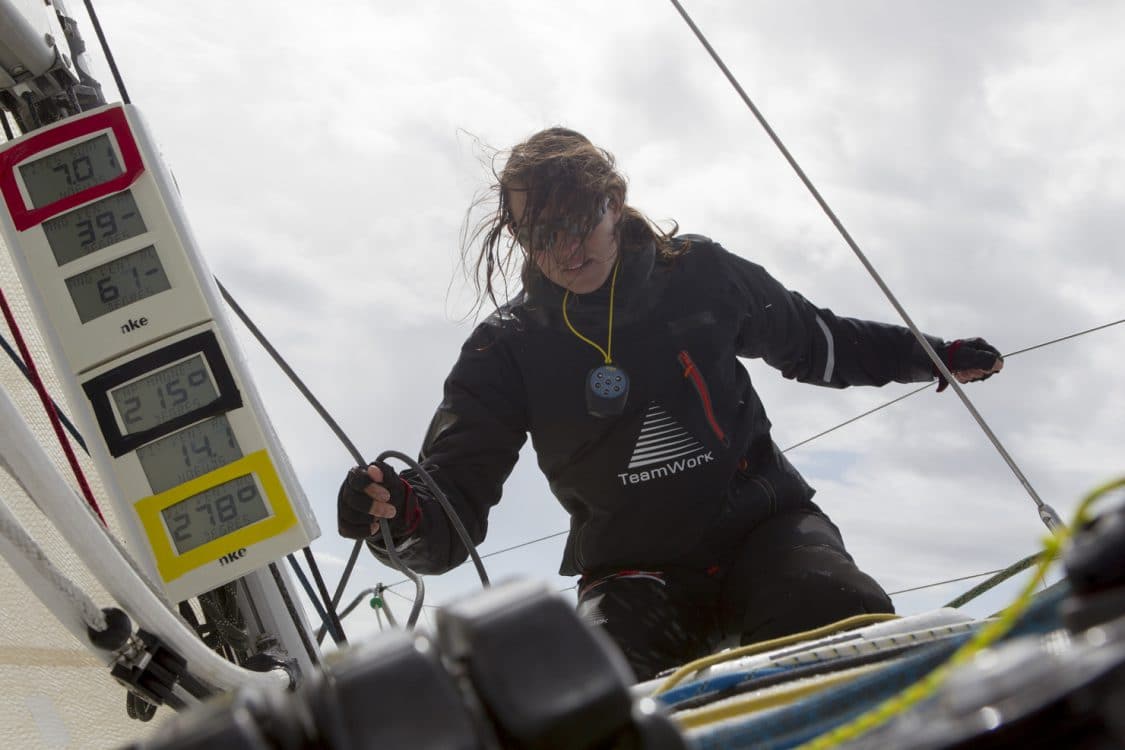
(55, 692)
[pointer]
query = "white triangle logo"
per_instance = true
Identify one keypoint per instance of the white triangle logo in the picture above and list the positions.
(662, 439)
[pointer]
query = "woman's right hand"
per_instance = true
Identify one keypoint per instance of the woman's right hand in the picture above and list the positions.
(367, 494)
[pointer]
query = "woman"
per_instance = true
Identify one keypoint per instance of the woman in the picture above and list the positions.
(619, 358)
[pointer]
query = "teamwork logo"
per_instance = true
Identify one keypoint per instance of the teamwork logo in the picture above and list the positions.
(663, 448)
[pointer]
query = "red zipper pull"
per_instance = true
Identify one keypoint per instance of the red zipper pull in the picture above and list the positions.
(691, 372)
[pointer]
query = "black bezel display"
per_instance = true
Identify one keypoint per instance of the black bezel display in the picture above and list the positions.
(97, 391)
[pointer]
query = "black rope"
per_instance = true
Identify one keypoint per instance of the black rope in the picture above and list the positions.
(106, 51)
(316, 405)
(311, 560)
(58, 409)
(293, 377)
(317, 605)
(253, 606)
(292, 608)
(439, 496)
(340, 589)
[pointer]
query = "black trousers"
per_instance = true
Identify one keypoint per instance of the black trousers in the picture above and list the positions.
(790, 574)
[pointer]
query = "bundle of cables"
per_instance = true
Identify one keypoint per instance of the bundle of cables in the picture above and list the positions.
(834, 686)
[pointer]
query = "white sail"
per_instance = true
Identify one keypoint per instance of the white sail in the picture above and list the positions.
(55, 693)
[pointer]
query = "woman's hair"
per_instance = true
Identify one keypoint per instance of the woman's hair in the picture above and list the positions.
(560, 171)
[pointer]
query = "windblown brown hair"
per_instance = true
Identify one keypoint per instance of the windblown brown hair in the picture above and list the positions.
(560, 170)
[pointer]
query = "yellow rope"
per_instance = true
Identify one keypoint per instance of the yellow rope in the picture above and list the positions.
(990, 633)
(691, 668)
(608, 351)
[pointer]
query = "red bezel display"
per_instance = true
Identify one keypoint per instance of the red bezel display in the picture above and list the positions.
(24, 216)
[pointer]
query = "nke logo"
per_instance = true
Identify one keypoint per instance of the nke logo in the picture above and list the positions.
(132, 325)
(230, 557)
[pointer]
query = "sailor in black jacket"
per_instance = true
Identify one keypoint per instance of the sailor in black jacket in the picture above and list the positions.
(620, 360)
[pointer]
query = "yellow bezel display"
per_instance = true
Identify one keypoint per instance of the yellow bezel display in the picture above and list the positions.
(169, 563)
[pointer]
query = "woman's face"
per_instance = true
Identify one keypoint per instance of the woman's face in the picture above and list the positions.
(571, 261)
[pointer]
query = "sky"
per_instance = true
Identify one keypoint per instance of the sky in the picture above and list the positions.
(327, 154)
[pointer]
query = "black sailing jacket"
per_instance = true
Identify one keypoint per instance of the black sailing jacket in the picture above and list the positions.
(690, 464)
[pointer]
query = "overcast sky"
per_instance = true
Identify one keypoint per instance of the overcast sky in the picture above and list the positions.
(327, 153)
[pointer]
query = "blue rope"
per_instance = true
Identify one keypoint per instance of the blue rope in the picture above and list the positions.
(802, 721)
(324, 619)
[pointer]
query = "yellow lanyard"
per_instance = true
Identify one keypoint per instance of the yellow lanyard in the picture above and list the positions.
(608, 351)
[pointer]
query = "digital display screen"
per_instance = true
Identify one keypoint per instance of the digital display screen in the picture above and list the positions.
(215, 513)
(118, 283)
(190, 453)
(88, 229)
(164, 394)
(70, 171)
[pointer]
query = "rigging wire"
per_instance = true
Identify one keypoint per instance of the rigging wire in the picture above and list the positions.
(106, 51)
(942, 583)
(1046, 513)
(1064, 338)
(927, 385)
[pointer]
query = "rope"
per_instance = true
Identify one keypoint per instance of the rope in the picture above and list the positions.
(90, 613)
(62, 415)
(337, 635)
(927, 385)
(1046, 513)
(606, 353)
(942, 583)
(332, 616)
(392, 553)
(996, 580)
(48, 406)
(990, 633)
(850, 623)
(291, 607)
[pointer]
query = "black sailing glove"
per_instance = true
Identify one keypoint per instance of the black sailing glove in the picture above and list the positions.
(969, 360)
(353, 504)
